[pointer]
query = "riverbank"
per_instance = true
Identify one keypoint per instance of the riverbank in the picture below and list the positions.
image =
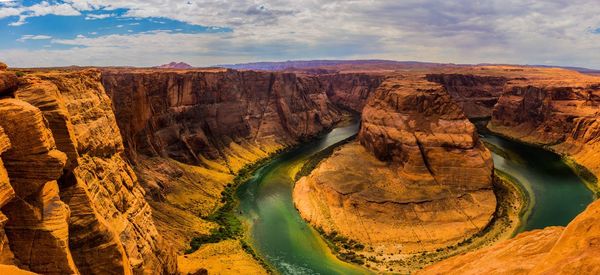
(586, 175)
(229, 227)
(512, 202)
(276, 230)
(511, 199)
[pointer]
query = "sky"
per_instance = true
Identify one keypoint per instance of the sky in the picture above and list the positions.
(205, 32)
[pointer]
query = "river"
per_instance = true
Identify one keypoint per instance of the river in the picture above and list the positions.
(557, 194)
(291, 246)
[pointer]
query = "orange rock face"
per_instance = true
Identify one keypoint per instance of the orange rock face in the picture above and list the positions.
(78, 207)
(553, 250)
(476, 95)
(419, 179)
(351, 90)
(8, 81)
(199, 127)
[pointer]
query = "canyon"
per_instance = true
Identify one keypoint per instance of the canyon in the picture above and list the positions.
(116, 170)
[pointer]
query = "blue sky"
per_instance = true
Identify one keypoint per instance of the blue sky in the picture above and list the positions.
(207, 32)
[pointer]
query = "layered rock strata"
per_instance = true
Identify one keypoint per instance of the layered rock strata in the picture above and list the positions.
(418, 178)
(556, 109)
(226, 116)
(189, 132)
(559, 113)
(77, 206)
(475, 94)
(351, 90)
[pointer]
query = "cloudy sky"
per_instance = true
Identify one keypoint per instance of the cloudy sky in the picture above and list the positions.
(205, 32)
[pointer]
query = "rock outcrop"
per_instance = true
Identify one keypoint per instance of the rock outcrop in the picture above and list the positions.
(8, 81)
(77, 206)
(552, 250)
(419, 180)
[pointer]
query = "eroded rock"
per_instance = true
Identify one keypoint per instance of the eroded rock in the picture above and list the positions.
(419, 180)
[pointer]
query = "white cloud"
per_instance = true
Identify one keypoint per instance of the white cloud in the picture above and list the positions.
(33, 37)
(40, 9)
(498, 31)
(98, 16)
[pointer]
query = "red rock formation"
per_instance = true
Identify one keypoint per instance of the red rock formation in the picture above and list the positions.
(106, 201)
(351, 90)
(477, 95)
(216, 120)
(7, 193)
(558, 110)
(196, 115)
(78, 205)
(8, 81)
(420, 181)
(37, 228)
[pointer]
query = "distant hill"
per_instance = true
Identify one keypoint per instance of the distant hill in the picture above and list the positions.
(333, 64)
(175, 65)
(369, 64)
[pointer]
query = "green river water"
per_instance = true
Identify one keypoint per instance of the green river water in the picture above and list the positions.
(291, 246)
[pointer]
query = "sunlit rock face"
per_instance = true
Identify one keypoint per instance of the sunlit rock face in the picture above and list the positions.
(552, 250)
(417, 179)
(70, 201)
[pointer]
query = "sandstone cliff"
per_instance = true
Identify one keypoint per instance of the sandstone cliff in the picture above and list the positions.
(419, 180)
(77, 206)
(558, 110)
(351, 90)
(189, 132)
(475, 94)
(223, 116)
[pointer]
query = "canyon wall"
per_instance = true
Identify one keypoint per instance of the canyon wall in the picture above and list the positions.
(190, 132)
(221, 115)
(560, 114)
(351, 90)
(417, 179)
(558, 110)
(114, 171)
(475, 94)
(71, 203)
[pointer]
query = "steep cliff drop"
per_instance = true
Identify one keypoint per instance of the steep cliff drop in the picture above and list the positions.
(71, 201)
(558, 110)
(190, 132)
(417, 180)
